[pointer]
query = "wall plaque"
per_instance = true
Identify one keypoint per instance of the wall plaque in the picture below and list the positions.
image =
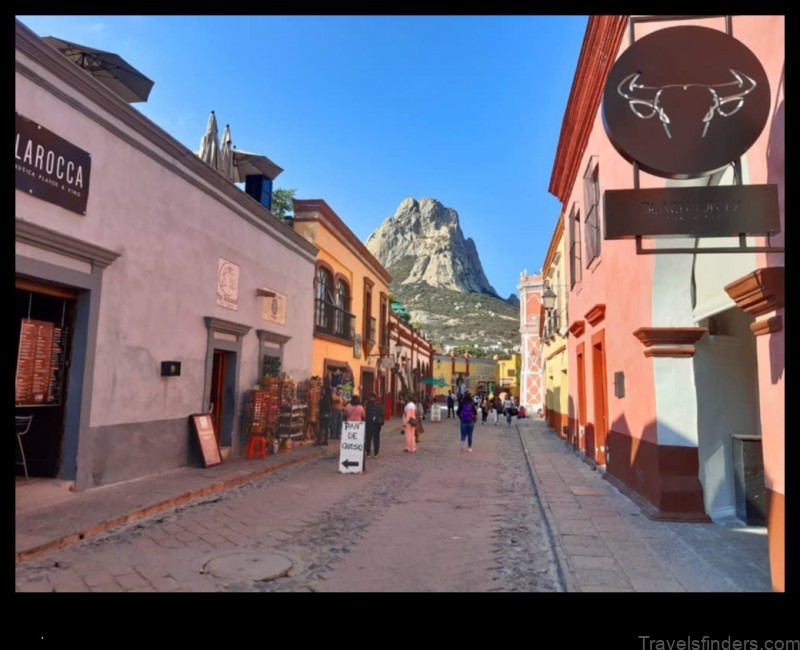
(273, 307)
(227, 284)
(50, 168)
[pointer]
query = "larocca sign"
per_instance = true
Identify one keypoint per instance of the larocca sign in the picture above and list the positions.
(49, 167)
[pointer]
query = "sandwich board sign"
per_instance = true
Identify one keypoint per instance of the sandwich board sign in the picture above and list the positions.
(351, 450)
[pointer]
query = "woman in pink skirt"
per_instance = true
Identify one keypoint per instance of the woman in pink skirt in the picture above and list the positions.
(410, 412)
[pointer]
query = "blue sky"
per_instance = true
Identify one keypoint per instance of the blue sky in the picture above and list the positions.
(365, 111)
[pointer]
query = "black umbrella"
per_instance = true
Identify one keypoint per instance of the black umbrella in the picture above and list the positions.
(108, 68)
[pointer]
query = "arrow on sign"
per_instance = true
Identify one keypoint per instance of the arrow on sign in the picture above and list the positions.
(351, 463)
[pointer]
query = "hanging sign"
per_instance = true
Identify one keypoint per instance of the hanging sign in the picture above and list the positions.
(685, 102)
(51, 168)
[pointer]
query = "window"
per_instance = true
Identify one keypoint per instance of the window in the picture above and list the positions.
(575, 269)
(341, 325)
(332, 309)
(368, 325)
(324, 299)
(591, 207)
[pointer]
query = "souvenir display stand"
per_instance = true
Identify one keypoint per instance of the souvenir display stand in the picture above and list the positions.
(282, 412)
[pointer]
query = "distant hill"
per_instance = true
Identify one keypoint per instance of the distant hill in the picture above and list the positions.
(438, 276)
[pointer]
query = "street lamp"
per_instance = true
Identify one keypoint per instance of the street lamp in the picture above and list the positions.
(549, 298)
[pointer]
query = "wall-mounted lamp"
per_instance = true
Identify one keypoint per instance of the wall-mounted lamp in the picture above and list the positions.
(170, 368)
(549, 299)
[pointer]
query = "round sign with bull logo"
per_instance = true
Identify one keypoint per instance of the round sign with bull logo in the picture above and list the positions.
(685, 102)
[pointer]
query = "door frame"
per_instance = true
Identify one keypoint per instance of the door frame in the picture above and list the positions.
(600, 395)
(225, 336)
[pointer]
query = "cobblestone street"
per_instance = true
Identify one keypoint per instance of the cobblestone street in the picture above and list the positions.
(437, 521)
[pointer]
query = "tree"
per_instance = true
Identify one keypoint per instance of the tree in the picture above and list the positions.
(282, 202)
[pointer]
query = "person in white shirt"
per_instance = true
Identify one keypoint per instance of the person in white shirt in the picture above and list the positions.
(409, 415)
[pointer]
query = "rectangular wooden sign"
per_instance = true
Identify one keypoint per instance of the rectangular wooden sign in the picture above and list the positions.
(204, 429)
(714, 211)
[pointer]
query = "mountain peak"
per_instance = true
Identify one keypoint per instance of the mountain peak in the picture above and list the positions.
(426, 236)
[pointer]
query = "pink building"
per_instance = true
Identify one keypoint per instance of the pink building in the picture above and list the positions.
(676, 359)
(531, 380)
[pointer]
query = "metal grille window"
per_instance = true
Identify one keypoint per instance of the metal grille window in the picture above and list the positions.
(271, 366)
(341, 324)
(575, 267)
(324, 299)
(591, 207)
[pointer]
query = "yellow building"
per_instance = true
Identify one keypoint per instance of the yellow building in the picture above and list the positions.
(351, 303)
(508, 375)
(553, 326)
(462, 370)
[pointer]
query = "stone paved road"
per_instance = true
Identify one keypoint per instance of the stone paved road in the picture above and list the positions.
(440, 520)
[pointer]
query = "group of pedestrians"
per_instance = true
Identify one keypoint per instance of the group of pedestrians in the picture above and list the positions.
(373, 415)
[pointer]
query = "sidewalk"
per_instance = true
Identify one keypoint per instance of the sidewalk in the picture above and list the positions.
(602, 540)
(50, 516)
(605, 543)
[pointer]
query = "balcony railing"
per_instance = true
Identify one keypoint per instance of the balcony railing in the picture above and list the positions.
(334, 321)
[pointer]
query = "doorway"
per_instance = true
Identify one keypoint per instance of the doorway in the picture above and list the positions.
(222, 395)
(578, 440)
(600, 402)
(45, 323)
(367, 385)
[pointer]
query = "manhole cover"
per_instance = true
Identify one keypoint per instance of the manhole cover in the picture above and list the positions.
(250, 566)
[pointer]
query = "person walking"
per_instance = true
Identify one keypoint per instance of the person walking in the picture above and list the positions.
(324, 416)
(420, 417)
(337, 413)
(375, 419)
(508, 406)
(498, 406)
(354, 411)
(410, 425)
(467, 416)
(484, 407)
(451, 404)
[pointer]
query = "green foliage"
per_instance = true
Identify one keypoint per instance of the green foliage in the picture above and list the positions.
(474, 351)
(458, 319)
(282, 202)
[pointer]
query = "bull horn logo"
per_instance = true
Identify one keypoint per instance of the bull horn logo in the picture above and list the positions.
(645, 108)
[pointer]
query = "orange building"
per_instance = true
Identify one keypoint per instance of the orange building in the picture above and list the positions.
(351, 303)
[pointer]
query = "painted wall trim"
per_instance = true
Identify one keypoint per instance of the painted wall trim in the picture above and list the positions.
(577, 328)
(650, 336)
(767, 326)
(595, 314)
(759, 292)
(41, 237)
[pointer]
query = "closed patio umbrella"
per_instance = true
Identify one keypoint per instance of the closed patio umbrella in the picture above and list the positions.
(209, 145)
(226, 167)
